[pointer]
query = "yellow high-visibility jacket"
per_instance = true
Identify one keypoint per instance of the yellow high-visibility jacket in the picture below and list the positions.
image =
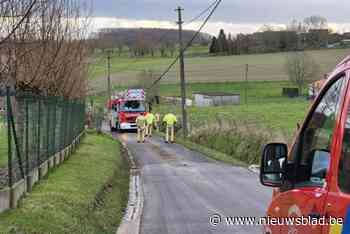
(170, 119)
(141, 121)
(150, 118)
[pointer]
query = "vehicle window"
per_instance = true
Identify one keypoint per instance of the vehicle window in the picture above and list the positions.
(133, 106)
(344, 163)
(317, 137)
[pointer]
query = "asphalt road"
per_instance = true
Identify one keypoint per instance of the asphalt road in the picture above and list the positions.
(183, 189)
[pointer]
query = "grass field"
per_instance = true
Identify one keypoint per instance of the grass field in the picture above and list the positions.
(266, 107)
(87, 194)
(238, 133)
(281, 116)
(213, 69)
(257, 92)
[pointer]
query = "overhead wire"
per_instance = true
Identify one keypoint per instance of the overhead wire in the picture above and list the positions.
(188, 44)
(201, 13)
(162, 37)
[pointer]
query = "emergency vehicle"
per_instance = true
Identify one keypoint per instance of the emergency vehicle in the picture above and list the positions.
(312, 179)
(125, 107)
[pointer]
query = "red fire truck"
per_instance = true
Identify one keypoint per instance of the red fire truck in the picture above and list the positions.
(125, 108)
(312, 177)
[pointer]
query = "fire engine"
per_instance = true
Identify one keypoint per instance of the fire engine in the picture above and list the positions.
(312, 177)
(124, 108)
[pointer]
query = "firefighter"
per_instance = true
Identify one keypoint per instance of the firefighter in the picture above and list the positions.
(149, 124)
(141, 128)
(156, 121)
(170, 121)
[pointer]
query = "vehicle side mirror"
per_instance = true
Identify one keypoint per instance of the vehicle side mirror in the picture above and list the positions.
(272, 168)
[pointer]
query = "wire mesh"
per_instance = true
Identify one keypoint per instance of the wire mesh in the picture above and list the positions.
(36, 128)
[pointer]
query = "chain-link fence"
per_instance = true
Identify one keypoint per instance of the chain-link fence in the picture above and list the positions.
(33, 129)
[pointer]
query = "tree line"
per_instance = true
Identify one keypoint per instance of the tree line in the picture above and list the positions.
(311, 33)
(140, 42)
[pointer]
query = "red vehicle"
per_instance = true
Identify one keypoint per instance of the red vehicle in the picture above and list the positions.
(125, 108)
(312, 178)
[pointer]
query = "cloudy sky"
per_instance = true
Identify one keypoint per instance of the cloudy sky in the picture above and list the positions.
(233, 15)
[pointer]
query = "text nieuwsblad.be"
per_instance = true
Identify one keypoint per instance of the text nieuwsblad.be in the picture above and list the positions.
(274, 221)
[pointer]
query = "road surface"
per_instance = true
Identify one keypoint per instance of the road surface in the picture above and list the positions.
(183, 189)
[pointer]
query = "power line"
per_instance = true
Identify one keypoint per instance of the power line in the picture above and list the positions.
(201, 14)
(188, 44)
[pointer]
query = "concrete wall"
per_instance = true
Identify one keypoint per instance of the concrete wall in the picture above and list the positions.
(177, 101)
(205, 100)
(202, 100)
(9, 197)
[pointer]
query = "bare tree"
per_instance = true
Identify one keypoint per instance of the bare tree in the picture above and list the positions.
(301, 69)
(296, 26)
(45, 48)
(315, 22)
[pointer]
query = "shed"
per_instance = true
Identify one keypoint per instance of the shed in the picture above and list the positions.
(203, 99)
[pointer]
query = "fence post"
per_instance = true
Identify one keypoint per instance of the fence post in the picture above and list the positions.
(246, 84)
(27, 145)
(48, 108)
(38, 129)
(54, 124)
(9, 150)
(15, 139)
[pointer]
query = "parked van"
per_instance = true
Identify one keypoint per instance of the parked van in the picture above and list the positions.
(312, 177)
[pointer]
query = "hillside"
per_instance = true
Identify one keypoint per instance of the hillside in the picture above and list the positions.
(213, 69)
(155, 36)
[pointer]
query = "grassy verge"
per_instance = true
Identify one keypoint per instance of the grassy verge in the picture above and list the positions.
(238, 152)
(211, 153)
(87, 194)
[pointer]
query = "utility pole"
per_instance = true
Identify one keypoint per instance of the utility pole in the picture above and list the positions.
(246, 84)
(109, 75)
(182, 74)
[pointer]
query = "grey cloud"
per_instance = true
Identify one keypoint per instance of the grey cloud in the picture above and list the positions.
(236, 11)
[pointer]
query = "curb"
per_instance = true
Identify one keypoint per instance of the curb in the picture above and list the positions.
(132, 219)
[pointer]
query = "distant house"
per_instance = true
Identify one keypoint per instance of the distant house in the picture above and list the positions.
(341, 44)
(345, 43)
(204, 99)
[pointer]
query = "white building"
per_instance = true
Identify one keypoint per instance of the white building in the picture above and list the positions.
(203, 99)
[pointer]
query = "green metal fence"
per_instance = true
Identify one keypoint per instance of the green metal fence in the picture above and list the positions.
(34, 128)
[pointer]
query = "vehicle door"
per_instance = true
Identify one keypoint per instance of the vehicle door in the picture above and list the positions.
(305, 189)
(338, 198)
